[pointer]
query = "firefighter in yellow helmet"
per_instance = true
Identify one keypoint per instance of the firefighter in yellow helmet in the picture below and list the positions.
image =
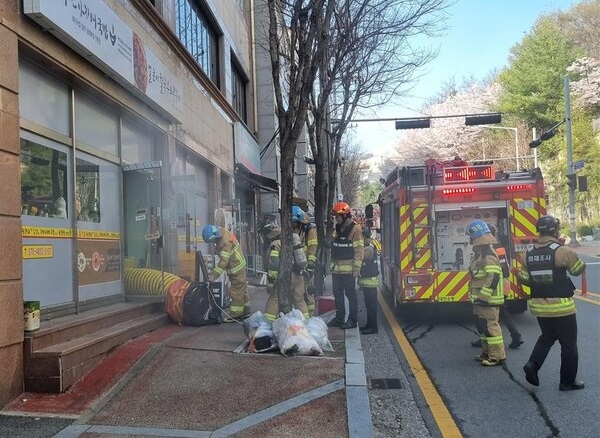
(297, 284)
(231, 260)
(486, 293)
(346, 261)
(545, 272)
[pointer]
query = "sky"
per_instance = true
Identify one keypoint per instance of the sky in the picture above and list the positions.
(478, 39)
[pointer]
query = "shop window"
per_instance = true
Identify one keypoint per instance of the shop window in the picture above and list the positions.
(43, 99)
(95, 125)
(87, 198)
(137, 142)
(43, 181)
(238, 91)
(198, 35)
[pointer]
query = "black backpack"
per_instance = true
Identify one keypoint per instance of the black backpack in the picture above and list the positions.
(199, 306)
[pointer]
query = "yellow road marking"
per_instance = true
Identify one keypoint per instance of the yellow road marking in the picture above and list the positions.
(440, 412)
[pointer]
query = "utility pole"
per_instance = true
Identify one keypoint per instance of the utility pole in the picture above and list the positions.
(570, 171)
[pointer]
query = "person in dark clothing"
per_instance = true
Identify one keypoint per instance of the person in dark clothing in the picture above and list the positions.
(368, 281)
(505, 316)
(545, 272)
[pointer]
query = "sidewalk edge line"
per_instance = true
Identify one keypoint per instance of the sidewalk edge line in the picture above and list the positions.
(358, 408)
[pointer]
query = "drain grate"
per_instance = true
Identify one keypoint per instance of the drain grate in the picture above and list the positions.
(384, 383)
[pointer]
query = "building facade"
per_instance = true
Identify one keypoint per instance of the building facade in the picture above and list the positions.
(127, 126)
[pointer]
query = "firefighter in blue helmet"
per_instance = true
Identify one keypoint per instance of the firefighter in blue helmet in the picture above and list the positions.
(486, 293)
(231, 260)
(545, 272)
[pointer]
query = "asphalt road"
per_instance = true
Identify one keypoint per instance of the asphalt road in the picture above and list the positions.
(498, 402)
(592, 273)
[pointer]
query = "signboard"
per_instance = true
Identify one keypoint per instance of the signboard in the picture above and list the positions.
(577, 165)
(247, 150)
(37, 251)
(96, 31)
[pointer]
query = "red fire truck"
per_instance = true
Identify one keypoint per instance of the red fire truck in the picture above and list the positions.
(424, 213)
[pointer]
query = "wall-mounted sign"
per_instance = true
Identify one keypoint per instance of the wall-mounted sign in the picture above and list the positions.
(37, 251)
(96, 31)
(247, 150)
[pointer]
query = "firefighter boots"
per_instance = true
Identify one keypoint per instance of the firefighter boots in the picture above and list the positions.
(531, 373)
(575, 384)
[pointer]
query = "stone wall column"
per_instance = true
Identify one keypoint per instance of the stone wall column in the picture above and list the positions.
(11, 268)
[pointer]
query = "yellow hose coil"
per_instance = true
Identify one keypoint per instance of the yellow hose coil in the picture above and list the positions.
(141, 281)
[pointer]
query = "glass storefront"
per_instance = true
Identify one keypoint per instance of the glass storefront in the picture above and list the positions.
(77, 201)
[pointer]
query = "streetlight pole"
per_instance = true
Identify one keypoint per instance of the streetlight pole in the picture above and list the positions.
(516, 130)
(570, 170)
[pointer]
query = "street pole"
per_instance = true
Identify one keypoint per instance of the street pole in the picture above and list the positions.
(535, 157)
(570, 170)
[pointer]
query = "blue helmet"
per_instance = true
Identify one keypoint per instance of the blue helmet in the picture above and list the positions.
(298, 215)
(476, 229)
(210, 233)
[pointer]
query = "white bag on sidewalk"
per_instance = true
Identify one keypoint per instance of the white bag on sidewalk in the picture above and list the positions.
(318, 330)
(293, 337)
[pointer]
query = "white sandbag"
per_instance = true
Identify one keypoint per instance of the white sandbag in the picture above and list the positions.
(252, 323)
(318, 330)
(293, 337)
(263, 340)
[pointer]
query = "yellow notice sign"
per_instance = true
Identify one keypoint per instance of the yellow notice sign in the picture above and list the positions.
(38, 251)
(27, 231)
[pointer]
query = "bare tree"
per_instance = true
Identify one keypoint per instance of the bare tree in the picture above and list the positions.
(370, 61)
(353, 170)
(298, 37)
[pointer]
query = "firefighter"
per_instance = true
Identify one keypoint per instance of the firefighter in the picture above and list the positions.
(308, 236)
(505, 317)
(486, 293)
(368, 281)
(231, 260)
(298, 291)
(545, 272)
(269, 232)
(346, 261)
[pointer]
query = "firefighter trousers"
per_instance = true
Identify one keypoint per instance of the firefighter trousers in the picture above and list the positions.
(564, 330)
(489, 330)
(238, 292)
(272, 308)
(344, 284)
(309, 296)
(370, 294)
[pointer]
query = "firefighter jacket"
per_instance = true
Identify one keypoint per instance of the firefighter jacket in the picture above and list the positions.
(348, 248)
(311, 243)
(299, 257)
(486, 287)
(545, 272)
(369, 270)
(230, 254)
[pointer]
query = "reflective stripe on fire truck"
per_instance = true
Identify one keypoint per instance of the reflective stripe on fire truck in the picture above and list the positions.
(448, 286)
(421, 231)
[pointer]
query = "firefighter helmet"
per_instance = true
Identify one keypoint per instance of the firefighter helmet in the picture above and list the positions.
(211, 233)
(270, 230)
(477, 228)
(298, 215)
(547, 225)
(341, 208)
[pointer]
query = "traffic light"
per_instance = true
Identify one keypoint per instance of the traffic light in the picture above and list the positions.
(572, 181)
(582, 183)
(483, 119)
(413, 123)
(535, 143)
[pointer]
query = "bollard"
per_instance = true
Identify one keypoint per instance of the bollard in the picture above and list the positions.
(583, 284)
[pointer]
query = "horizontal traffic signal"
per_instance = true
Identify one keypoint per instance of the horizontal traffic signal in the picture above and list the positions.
(483, 119)
(413, 123)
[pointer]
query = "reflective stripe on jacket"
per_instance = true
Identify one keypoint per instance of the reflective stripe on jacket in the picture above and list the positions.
(486, 286)
(230, 254)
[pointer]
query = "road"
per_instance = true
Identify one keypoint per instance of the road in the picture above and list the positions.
(592, 273)
(498, 402)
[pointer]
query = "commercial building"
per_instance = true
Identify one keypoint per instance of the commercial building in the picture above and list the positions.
(127, 126)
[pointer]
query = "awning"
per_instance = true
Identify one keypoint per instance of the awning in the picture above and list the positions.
(264, 183)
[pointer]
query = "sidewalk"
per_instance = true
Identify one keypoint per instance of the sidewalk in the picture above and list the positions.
(591, 247)
(188, 382)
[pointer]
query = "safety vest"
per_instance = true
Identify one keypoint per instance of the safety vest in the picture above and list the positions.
(546, 280)
(369, 270)
(342, 246)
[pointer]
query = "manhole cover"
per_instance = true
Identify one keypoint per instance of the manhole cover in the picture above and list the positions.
(384, 384)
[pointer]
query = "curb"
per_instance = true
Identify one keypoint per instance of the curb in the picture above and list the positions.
(357, 394)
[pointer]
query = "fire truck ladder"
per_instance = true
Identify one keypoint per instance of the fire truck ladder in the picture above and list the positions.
(429, 180)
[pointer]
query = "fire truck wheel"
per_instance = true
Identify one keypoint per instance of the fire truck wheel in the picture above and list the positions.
(516, 306)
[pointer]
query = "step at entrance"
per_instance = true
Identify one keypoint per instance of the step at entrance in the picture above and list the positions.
(65, 349)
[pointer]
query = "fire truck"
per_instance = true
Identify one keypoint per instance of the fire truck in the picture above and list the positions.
(424, 213)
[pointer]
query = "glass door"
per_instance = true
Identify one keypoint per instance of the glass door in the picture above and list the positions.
(142, 209)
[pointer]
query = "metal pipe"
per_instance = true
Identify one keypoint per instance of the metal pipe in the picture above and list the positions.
(570, 170)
